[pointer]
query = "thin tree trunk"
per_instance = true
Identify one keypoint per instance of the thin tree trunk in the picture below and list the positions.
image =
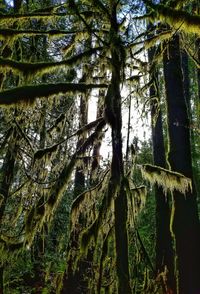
(75, 279)
(96, 149)
(198, 70)
(113, 115)
(79, 182)
(185, 217)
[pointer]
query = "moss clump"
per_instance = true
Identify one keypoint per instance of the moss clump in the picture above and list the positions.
(167, 179)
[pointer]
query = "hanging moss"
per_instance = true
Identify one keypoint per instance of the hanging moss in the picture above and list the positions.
(29, 221)
(9, 250)
(17, 214)
(177, 18)
(44, 210)
(42, 152)
(104, 253)
(88, 235)
(168, 180)
(58, 282)
(84, 201)
(10, 247)
(37, 69)
(158, 39)
(136, 197)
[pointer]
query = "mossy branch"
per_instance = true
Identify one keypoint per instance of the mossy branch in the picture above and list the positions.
(10, 18)
(179, 19)
(162, 36)
(23, 135)
(12, 33)
(27, 94)
(167, 179)
(31, 69)
(42, 152)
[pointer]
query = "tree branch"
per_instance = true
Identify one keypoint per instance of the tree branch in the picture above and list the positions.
(27, 94)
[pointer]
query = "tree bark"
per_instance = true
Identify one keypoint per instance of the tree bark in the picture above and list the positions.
(164, 246)
(185, 224)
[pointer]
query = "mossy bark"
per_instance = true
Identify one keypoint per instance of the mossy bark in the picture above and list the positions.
(185, 224)
(27, 94)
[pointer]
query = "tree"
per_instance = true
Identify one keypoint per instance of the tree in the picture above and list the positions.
(186, 230)
(164, 249)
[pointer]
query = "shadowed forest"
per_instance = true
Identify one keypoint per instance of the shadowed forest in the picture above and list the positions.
(99, 147)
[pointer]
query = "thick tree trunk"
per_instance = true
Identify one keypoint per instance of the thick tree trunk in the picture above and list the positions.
(185, 218)
(164, 247)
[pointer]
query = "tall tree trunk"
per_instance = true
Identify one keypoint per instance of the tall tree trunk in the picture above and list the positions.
(164, 242)
(164, 247)
(114, 117)
(185, 224)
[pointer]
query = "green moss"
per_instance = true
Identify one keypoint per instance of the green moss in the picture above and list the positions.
(167, 179)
